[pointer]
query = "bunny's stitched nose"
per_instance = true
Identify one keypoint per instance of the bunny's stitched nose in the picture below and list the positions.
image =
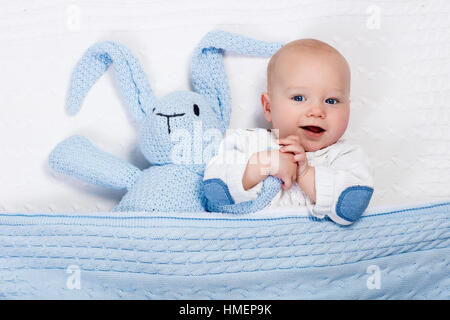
(168, 116)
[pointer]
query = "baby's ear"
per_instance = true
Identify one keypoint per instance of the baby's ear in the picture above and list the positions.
(265, 103)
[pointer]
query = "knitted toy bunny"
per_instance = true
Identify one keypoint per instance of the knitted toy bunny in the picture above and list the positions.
(167, 185)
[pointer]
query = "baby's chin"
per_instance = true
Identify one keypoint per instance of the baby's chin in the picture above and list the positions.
(312, 146)
(313, 149)
(323, 142)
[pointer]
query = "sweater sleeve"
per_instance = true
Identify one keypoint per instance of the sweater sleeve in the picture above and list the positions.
(344, 187)
(229, 165)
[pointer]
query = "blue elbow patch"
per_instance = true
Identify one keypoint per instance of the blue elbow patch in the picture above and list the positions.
(353, 201)
(216, 192)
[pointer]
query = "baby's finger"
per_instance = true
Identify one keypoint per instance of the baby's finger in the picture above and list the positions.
(287, 183)
(289, 139)
(288, 142)
(300, 157)
(282, 141)
(296, 149)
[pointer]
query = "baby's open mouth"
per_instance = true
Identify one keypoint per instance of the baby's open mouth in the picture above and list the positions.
(313, 129)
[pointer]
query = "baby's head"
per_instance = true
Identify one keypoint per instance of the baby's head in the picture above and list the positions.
(308, 84)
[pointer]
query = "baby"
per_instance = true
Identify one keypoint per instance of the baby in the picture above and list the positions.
(308, 103)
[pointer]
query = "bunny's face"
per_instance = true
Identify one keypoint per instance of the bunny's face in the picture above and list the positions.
(181, 129)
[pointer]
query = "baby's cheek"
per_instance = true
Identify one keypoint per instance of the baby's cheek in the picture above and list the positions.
(284, 132)
(339, 122)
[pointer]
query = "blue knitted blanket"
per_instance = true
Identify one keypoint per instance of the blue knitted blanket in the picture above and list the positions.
(401, 253)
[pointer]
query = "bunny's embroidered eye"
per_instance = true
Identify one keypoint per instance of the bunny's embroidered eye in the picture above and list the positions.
(196, 110)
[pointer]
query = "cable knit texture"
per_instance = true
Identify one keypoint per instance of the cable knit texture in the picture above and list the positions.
(208, 256)
(168, 185)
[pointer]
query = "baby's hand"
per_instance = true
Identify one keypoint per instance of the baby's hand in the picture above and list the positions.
(284, 167)
(292, 145)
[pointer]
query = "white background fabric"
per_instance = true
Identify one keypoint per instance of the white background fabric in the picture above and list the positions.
(398, 52)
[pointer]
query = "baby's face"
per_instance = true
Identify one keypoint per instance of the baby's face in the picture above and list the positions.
(309, 89)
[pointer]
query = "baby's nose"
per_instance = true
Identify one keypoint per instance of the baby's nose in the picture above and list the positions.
(316, 111)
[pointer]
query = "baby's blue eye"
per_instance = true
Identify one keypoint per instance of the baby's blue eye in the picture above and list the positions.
(298, 98)
(331, 101)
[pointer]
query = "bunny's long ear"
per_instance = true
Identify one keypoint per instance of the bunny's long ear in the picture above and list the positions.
(208, 72)
(132, 80)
